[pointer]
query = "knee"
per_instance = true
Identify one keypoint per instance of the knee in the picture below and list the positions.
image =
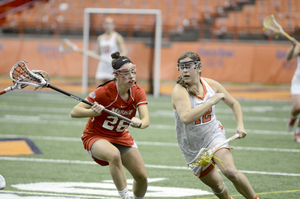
(115, 159)
(231, 174)
(141, 178)
(218, 188)
(296, 108)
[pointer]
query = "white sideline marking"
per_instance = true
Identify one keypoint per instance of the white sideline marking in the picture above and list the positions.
(145, 143)
(11, 195)
(149, 166)
(66, 120)
(221, 112)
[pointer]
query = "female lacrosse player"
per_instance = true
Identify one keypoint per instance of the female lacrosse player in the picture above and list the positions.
(294, 51)
(105, 137)
(107, 43)
(193, 100)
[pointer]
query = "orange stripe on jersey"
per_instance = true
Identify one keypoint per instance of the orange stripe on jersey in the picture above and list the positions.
(208, 84)
(205, 91)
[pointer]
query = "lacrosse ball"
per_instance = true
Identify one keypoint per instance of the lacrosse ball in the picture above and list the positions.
(2, 182)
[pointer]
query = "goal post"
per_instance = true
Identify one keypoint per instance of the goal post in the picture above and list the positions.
(157, 41)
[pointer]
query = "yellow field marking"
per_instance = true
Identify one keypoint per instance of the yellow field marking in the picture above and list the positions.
(17, 147)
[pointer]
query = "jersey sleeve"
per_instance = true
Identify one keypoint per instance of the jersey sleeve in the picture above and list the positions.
(140, 96)
(98, 95)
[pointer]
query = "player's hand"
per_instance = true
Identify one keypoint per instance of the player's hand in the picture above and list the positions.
(136, 122)
(294, 41)
(241, 131)
(97, 108)
(217, 97)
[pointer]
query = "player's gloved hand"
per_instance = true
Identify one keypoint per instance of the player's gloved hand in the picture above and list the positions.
(136, 122)
(97, 108)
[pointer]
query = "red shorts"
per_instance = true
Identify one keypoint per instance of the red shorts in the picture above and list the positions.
(88, 141)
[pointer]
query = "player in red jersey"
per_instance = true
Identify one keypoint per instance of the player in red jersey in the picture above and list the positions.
(105, 137)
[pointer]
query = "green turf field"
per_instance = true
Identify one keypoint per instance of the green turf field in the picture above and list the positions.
(268, 156)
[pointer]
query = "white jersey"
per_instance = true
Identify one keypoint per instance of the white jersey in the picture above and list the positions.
(202, 133)
(295, 85)
(107, 47)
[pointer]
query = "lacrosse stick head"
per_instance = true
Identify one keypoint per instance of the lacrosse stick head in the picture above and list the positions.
(22, 75)
(205, 157)
(67, 46)
(271, 24)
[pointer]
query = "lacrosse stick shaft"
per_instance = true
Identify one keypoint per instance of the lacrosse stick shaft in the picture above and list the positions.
(87, 102)
(5, 90)
(290, 38)
(8, 89)
(94, 55)
(225, 142)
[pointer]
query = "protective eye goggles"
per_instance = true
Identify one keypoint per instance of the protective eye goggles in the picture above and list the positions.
(124, 72)
(188, 65)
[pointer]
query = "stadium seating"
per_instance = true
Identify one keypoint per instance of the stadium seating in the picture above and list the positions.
(219, 17)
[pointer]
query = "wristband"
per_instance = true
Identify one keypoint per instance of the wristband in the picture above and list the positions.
(140, 125)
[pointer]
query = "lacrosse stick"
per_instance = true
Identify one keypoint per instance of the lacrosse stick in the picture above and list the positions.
(21, 86)
(205, 155)
(22, 75)
(67, 46)
(271, 24)
(13, 87)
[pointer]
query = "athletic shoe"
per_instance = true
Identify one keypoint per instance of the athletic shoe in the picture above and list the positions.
(297, 137)
(290, 124)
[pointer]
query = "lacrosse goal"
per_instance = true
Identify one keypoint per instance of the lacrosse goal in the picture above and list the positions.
(157, 41)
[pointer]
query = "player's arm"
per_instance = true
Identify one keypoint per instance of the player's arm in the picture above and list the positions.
(144, 117)
(84, 110)
(121, 44)
(181, 102)
(232, 103)
(293, 51)
(98, 51)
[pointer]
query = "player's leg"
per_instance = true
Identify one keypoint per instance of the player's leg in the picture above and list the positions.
(215, 181)
(294, 114)
(133, 162)
(239, 180)
(104, 150)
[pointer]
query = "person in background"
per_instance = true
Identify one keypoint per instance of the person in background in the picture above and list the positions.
(293, 52)
(107, 43)
(105, 137)
(193, 100)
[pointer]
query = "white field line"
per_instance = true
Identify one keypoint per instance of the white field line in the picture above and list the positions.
(66, 120)
(70, 139)
(43, 195)
(165, 111)
(148, 166)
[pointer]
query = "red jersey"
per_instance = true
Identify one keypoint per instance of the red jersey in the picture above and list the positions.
(110, 127)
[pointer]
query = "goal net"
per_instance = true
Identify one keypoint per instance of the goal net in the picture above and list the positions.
(90, 14)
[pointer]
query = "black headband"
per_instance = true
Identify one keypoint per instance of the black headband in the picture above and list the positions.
(121, 62)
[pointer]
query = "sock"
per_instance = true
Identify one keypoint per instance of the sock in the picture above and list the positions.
(124, 194)
(293, 117)
(135, 197)
(297, 129)
(256, 197)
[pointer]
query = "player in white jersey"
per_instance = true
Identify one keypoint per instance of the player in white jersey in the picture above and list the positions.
(294, 51)
(107, 43)
(193, 100)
